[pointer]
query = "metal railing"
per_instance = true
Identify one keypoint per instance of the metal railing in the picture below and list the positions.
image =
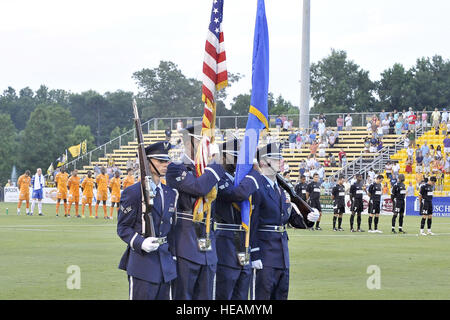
(362, 165)
(222, 122)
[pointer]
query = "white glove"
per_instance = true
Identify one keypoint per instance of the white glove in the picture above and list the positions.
(257, 264)
(148, 245)
(314, 216)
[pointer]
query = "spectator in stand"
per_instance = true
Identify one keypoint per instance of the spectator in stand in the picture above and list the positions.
(326, 162)
(447, 165)
(179, 125)
(383, 115)
(412, 118)
(8, 184)
(447, 143)
(168, 134)
(321, 172)
(391, 125)
(424, 119)
(388, 169)
(438, 153)
(348, 122)
(373, 144)
(340, 123)
(369, 126)
(292, 140)
(332, 140)
(340, 155)
(278, 123)
(313, 147)
(312, 136)
(408, 167)
(380, 145)
(380, 131)
(432, 151)
(332, 160)
(301, 168)
(286, 125)
(344, 160)
(425, 149)
(396, 170)
(419, 158)
(410, 151)
(322, 147)
(398, 126)
(385, 189)
(298, 141)
(321, 128)
(385, 125)
(396, 115)
(426, 164)
(366, 144)
(323, 118)
(410, 190)
(435, 118)
(444, 116)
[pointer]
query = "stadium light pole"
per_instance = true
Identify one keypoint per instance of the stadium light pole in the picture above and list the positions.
(303, 118)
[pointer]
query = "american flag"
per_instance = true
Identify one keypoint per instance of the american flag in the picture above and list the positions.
(215, 76)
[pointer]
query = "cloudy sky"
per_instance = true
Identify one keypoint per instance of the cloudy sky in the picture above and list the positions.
(98, 44)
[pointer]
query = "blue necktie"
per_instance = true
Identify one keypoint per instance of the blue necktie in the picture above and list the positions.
(157, 203)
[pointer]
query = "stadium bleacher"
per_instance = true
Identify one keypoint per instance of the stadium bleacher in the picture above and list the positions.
(351, 141)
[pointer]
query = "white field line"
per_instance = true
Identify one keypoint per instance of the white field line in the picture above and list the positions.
(366, 235)
(57, 225)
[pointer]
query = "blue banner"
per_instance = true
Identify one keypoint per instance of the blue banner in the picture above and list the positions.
(441, 206)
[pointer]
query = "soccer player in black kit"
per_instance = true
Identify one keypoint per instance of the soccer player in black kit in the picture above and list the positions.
(300, 188)
(338, 196)
(426, 199)
(313, 196)
(375, 203)
(356, 195)
(398, 195)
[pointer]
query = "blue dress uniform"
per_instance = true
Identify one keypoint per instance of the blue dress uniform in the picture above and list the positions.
(195, 268)
(232, 279)
(149, 273)
(270, 245)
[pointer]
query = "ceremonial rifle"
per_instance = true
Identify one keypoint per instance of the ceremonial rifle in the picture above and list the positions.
(148, 228)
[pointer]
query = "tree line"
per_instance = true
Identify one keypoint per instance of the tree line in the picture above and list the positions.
(36, 127)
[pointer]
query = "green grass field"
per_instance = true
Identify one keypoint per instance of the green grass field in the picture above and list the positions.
(35, 253)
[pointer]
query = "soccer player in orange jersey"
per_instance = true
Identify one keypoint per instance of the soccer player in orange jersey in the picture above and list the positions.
(61, 183)
(114, 188)
(74, 192)
(129, 179)
(101, 183)
(24, 191)
(88, 193)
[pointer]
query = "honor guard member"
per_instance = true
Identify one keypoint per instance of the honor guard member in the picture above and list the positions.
(149, 262)
(234, 273)
(375, 203)
(356, 195)
(338, 196)
(398, 195)
(270, 253)
(300, 188)
(426, 199)
(196, 255)
(313, 196)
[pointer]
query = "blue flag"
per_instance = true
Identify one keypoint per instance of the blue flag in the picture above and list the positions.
(258, 113)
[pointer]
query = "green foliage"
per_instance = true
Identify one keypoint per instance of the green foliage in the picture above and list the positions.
(81, 133)
(337, 81)
(45, 137)
(8, 145)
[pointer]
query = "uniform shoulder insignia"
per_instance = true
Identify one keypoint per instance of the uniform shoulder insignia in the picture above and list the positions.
(125, 210)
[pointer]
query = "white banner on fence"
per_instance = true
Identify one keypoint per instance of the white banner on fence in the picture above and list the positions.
(49, 195)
